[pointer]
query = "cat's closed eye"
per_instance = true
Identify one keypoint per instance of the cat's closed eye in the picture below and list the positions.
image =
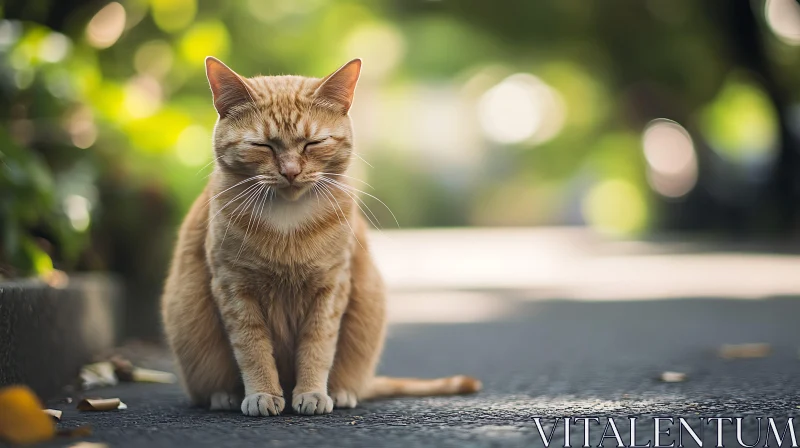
(262, 145)
(312, 143)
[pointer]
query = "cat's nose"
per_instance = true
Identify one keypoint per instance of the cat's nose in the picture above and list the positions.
(290, 171)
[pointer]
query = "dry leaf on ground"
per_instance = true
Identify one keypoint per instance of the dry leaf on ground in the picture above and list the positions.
(101, 404)
(153, 376)
(122, 368)
(126, 371)
(88, 445)
(55, 413)
(673, 377)
(21, 418)
(99, 374)
(739, 351)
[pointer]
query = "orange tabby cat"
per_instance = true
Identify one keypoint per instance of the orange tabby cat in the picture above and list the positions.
(272, 293)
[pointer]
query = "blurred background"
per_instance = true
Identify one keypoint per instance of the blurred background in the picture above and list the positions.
(637, 147)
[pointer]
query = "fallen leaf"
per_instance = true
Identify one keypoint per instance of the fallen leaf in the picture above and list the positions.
(101, 404)
(99, 374)
(739, 351)
(122, 368)
(21, 418)
(88, 445)
(55, 413)
(153, 376)
(80, 431)
(126, 371)
(673, 377)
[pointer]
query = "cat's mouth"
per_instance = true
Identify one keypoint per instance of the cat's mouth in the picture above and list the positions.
(293, 192)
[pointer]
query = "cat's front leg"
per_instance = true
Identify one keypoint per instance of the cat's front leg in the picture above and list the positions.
(316, 350)
(252, 347)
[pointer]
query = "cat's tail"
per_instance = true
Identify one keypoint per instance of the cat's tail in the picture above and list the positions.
(384, 386)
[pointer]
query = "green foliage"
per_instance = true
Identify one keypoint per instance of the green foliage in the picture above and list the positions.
(34, 228)
(26, 201)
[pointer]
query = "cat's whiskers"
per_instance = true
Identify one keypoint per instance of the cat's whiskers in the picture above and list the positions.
(316, 193)
(209, 163)
(352, 188)
(318, 188)
(362, 159)
(349, 177)
(333, 196)
(358, 201)
(262, 195)
(243, 206)
(354, 196)
(256, 177)
(246, 191)
(252, 199)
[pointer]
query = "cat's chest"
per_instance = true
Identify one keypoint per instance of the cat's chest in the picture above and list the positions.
(275, 282)
(288, 300)
(284, 255)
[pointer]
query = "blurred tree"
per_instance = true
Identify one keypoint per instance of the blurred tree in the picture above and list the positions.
(743, 35)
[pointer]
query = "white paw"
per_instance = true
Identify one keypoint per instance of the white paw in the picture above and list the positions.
(344, 399)
(312, 403)
(223, 401)
(261, 405)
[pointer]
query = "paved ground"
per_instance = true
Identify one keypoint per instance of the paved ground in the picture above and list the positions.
(546, 359)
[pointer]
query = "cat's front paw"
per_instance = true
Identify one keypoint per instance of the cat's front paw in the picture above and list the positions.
(262, 405)
(344, 399)
(312, 403)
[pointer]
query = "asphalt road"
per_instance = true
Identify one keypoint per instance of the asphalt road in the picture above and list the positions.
(549, 359)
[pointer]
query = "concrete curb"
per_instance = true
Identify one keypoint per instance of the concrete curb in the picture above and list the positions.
(47, 334)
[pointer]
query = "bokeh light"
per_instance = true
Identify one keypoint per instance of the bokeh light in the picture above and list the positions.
(54, 47)
(271, 11)
(615, 207)
(106, 26)
(154, 58)
(173, 15)
(741, 123)
(9, 33)
(77, 209)
(81, 128)
(194, 146)
(143, 95)
(521, 107)
(783, 18)
(381, 44)
(204, 39)
(671, 158)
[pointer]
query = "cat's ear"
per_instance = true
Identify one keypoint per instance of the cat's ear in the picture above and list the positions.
(228, 88)
(337, 89)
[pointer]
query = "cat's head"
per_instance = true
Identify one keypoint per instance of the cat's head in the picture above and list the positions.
(288, 130)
